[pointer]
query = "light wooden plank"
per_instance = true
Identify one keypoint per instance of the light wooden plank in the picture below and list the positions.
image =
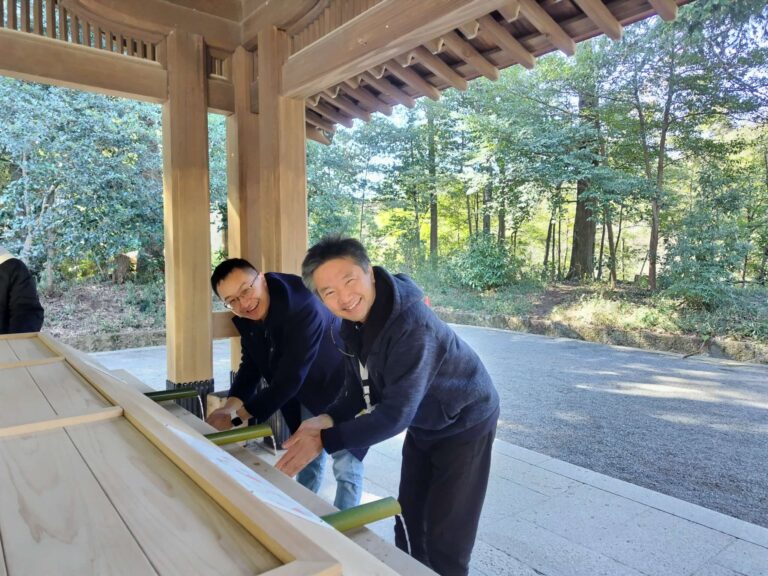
(42, 59)
(30, 349)
(21, 399)
(53, 423)
(66, 391)
(28, 363)
(379, 34)
(510, 11)
(7, 355)
(54, 516)
(285, 531)
(223, 327)
(179, 527)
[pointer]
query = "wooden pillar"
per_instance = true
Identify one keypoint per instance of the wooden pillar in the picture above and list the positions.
(282, 207)
(187, 215)
(242, 170)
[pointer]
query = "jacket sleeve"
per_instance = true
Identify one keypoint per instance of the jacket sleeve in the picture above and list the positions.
(301, 341)
(248, 375)
(350, 400)
(25, 313)
(411, 362)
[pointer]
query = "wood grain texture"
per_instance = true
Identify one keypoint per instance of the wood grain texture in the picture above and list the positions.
(54, 516)
(180, 528)
(30, 349)
(21, 399)
(66, 391)
(50, 424)
(7, 355)
(27, 363)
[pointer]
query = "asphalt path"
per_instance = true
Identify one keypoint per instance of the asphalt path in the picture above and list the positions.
(693, 428)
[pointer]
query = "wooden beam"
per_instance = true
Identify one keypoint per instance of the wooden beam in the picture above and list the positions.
(439, 68)
(221, 96)
(385, 86)
(51, 424)
(41, 59)
(317, 135)
(282, 161)
(222, 326)
(467, 52)
(600, 15)
(507, 42)
(379, 34)
(28, 363)
(667, 9)
(330, 114)
(366, 99)
(161, 16)
(412, 78)
(346, 105)
(510, 11)
(544, 23)
(187, 212)
(281, 14)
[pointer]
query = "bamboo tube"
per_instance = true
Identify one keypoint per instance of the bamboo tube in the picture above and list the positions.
(363, 514)
(240, 434)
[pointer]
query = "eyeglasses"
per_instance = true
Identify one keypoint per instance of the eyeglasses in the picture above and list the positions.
(247, 292)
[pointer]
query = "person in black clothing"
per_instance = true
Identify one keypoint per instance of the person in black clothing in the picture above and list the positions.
(20, 309)
(286, 338)
(405, 370)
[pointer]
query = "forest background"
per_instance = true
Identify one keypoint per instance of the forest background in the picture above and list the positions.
(625, 187)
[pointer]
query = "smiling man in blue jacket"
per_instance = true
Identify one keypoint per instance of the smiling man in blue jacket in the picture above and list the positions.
(286, 337)
(405, 370)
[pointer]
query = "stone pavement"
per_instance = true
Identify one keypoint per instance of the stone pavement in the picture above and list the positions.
(543, 516)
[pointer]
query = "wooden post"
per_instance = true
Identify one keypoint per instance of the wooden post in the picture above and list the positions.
(187, 216)
(282, 234)
(242, 170)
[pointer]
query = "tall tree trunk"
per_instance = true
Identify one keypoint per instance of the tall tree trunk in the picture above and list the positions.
(583, 251)
(611, 249)
(546, 246)
(559, 243)
(432, 168)
(487, 198)
(502, 218)
(600, 259)
(469, 213)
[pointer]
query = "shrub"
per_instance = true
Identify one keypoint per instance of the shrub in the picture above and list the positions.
(483, 264)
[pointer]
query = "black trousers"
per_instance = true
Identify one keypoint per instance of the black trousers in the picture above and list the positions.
(442, 488)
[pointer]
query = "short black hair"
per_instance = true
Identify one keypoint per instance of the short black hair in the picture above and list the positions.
(225, 269)
(330, 247)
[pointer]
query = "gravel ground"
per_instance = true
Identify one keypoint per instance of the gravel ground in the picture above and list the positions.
(695, 428)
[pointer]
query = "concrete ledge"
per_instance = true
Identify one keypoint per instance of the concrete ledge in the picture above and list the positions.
(728, 348)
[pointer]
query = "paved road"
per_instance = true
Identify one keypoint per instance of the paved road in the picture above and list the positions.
(694, 428)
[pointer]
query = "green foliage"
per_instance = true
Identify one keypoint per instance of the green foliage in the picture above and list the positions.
(483, 265)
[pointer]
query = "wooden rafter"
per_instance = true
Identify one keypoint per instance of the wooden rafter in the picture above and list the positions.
(544, 23)
(667, 9)
(385, 86)
(282, 14)
(328, 112)
(507, 42)
(510, 11)
(346, 105)
(413, 79)
(379, 34)
(468, 53)
(600, 15)
(439, 68)
(366, 99)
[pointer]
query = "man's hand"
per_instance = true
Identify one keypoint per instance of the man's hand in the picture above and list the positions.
(220, 419)
(304, 446)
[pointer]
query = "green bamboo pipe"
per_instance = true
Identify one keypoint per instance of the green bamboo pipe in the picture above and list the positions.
(177, 394)
(240, 434)
(364, 514)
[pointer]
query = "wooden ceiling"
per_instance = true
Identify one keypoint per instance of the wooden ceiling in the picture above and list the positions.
(349, 58)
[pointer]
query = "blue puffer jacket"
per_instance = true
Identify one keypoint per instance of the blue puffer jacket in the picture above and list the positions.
(425, 378)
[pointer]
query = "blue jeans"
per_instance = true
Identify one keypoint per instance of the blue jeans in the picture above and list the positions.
(347, 470)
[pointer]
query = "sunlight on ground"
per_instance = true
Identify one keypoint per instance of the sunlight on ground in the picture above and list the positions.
(678, 392)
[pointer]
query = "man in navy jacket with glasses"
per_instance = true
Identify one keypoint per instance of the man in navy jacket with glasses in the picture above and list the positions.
(287, 339)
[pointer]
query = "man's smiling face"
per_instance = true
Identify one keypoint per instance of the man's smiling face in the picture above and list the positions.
(345, 288)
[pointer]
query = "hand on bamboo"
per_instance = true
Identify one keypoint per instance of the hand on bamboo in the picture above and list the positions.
(304, 445)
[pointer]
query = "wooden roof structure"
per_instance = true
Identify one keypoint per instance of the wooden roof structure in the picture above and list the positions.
(282, 71)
